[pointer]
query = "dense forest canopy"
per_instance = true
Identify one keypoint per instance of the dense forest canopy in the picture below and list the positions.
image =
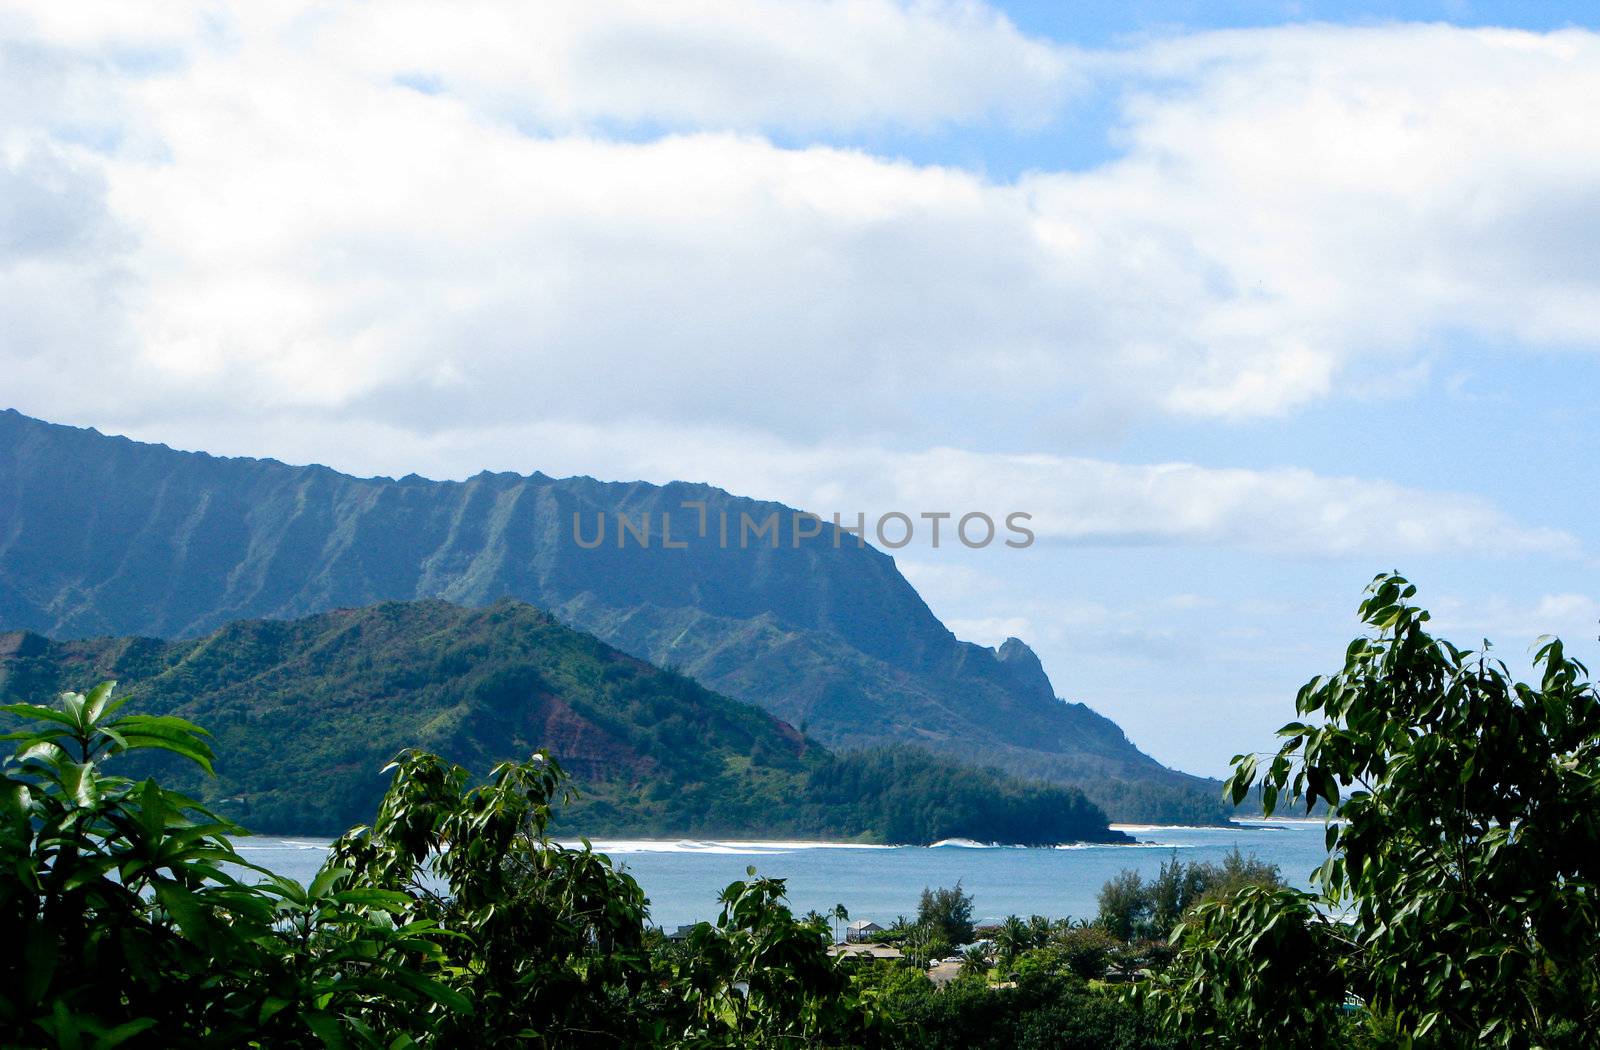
(306, 711)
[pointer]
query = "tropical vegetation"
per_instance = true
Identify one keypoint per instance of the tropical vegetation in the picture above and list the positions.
(451, 920)
(304, 711)
(1456, 907)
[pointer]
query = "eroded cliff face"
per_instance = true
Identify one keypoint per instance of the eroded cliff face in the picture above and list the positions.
(105, 536)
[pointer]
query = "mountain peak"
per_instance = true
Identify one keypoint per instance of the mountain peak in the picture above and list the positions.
(106, 536)
(1022, 666)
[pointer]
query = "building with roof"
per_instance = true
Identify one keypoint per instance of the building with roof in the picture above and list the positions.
(866, 952)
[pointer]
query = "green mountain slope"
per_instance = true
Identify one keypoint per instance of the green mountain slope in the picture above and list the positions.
(106, 536)
(306, 711)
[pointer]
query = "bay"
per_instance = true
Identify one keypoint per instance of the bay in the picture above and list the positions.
(683, 878)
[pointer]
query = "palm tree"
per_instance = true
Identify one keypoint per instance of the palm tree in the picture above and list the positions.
(1013, 937)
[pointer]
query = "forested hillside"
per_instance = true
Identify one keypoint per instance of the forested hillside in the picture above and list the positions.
(105, 536)
(307, 711)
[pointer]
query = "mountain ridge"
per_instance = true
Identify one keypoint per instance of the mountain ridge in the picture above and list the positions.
(104, 535)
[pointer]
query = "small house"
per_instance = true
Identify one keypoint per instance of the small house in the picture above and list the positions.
(862, 930)
(866, 952)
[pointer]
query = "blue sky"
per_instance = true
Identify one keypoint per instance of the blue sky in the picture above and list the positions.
(1098, 25)
(1243, 302)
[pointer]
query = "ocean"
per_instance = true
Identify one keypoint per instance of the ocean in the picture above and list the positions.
(682, 878)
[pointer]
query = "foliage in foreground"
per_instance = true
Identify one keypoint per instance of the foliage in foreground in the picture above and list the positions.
(451, 921)
(126, 927)
(1457, 906)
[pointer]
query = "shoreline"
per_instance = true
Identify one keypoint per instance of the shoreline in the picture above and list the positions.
(750, 846)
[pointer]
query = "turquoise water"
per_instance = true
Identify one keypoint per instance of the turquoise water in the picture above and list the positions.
(682, 878)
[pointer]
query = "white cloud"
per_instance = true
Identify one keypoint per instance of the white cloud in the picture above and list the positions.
(1084, 501)
(558, 65)
(1297, 210)
(991, 630)
(1074, 501)
(1359, 192)
(1514, 624)
(253, 212)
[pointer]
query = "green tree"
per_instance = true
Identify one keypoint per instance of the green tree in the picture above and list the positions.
(1176, 887)
(949, 911)
(1086, 950)
(1235, 873)
(546, 939)
(1131, 908)
(451, 921)
(1041, 1013)
(548, 942)
(1124, 905)
(1463, 861)
(975, 963)
(758, 977)
(925, 943)
(127, 924)
(1013, 937)
(1262, 967)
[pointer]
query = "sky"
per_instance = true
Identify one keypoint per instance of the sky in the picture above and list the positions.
(1243, 302)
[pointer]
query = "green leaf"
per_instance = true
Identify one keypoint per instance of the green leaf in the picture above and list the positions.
(112, 1037)
(95, 702)
(439, 993)
(80, 781)
(325, 881)
(186, 909)
(325, 1027)
(167, 733)
(40, 714)
(39, 954)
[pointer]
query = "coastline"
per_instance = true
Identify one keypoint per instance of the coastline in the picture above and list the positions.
(751, 846)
